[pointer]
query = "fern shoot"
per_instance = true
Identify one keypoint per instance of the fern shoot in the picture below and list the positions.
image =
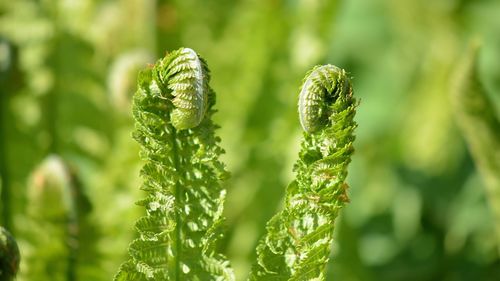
(182, 175)
(52, 227)
(9, 256)
(298, 239)
(480, 125)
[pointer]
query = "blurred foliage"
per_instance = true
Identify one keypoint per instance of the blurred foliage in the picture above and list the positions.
(480, 126)
(418, 205)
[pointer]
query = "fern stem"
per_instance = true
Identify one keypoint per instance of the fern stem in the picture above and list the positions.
(50, 100)
(5, 75)
(178, 203)
(480, 127)
(4, 172)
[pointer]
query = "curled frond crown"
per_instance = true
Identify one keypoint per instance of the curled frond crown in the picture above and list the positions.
(186, 77)
(321, 87)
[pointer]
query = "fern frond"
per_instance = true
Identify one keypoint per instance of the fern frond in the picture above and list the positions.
(9, 256)
(182, 175)
(54, 226)
(298, 240)
(480, 125)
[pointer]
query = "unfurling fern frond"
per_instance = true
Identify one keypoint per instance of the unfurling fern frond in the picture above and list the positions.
(298, 240)
(9, 256)
(185, 75)
(56, 227)
(182, 175)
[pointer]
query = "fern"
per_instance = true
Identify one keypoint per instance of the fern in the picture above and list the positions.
(480, 126)
(182, 175)
(56, 226)
(298, 239)
(9, 256)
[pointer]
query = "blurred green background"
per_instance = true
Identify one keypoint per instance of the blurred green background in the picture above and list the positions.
(418, 208)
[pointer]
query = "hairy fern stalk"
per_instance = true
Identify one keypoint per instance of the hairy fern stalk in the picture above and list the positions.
(182, 175)
(298, 240)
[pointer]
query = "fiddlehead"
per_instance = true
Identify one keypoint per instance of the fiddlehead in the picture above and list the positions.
(185, 74)
(321, 87)
(298, 239)
(9, 256)
(182, 175)
(54, 227)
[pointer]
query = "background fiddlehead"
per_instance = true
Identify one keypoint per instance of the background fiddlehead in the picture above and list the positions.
(56, 226)
(298, 239)
(182, 175)
(9, 256)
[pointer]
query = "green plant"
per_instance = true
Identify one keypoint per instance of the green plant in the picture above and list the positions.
(298, 240)
(182, 175)
(9, 256)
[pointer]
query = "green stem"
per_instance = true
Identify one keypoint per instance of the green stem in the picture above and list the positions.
(5, 196)
(4, 173)
(178, 203)
(50, 111)
(56, 61)
(73, 238)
